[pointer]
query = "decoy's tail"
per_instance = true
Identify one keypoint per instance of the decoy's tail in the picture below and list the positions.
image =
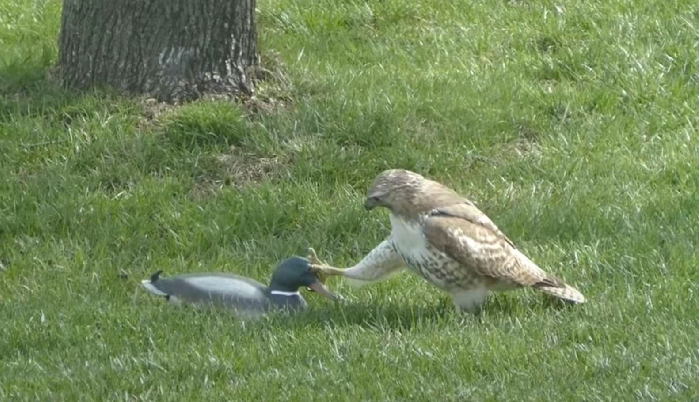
(155, 276)
(148, 285)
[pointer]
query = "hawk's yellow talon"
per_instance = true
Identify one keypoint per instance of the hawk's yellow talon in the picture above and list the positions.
(317, 266)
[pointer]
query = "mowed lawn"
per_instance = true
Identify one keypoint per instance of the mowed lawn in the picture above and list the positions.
(573, 125)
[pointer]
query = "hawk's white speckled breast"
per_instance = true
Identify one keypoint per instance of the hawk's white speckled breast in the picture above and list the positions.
(420, 256)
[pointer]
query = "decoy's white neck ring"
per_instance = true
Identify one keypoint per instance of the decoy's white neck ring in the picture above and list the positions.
(282, 293)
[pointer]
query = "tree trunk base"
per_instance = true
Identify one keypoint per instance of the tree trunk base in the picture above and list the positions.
(171, 50)
(207, 85)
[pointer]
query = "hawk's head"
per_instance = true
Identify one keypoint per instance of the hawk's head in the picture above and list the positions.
(393, 187)
(406, 193)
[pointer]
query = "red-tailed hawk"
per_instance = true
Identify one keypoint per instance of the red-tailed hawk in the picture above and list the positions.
(447, 240)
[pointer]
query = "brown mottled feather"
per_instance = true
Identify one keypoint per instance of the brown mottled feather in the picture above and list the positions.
(480, 249)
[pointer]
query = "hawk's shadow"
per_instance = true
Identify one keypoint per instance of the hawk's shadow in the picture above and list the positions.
(388, 315)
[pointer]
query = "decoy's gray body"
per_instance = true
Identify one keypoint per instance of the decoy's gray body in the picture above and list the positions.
(244, 295)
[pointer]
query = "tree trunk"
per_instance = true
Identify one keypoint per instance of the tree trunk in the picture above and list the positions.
(168, 49)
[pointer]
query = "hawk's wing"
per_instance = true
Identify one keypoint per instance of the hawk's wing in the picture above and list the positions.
(469, 212)
(468, 236)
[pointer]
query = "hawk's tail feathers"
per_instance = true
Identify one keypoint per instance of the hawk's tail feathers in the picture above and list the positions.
(565, 292)
(550, 284)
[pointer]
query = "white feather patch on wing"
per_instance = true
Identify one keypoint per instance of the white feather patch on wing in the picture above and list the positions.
(474, 246)
(146, 283)
(224, 285)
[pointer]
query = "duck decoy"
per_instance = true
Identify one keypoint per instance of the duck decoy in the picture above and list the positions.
(244, 295)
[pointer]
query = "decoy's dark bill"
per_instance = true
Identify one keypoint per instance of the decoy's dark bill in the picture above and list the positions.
(321, 289)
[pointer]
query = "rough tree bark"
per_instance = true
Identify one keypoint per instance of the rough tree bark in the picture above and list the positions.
(168, 49)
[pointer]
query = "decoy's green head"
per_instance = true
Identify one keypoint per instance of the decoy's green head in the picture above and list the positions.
(294, 273)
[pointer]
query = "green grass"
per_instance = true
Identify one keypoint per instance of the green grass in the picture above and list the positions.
(574, 125)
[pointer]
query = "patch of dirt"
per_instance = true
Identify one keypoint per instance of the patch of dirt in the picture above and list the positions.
(257, 105)
(153, 109)
(521, 148)
(245, 167)
(239, 168)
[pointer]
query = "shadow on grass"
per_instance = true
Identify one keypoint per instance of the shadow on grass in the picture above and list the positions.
(386, 316)
(28, 88)
(45, 98)
(20, 74)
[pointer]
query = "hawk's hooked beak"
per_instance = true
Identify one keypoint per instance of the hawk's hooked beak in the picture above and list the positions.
(371, 202)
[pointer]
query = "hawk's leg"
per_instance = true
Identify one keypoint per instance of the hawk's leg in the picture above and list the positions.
(470, 300)
(379, 264)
